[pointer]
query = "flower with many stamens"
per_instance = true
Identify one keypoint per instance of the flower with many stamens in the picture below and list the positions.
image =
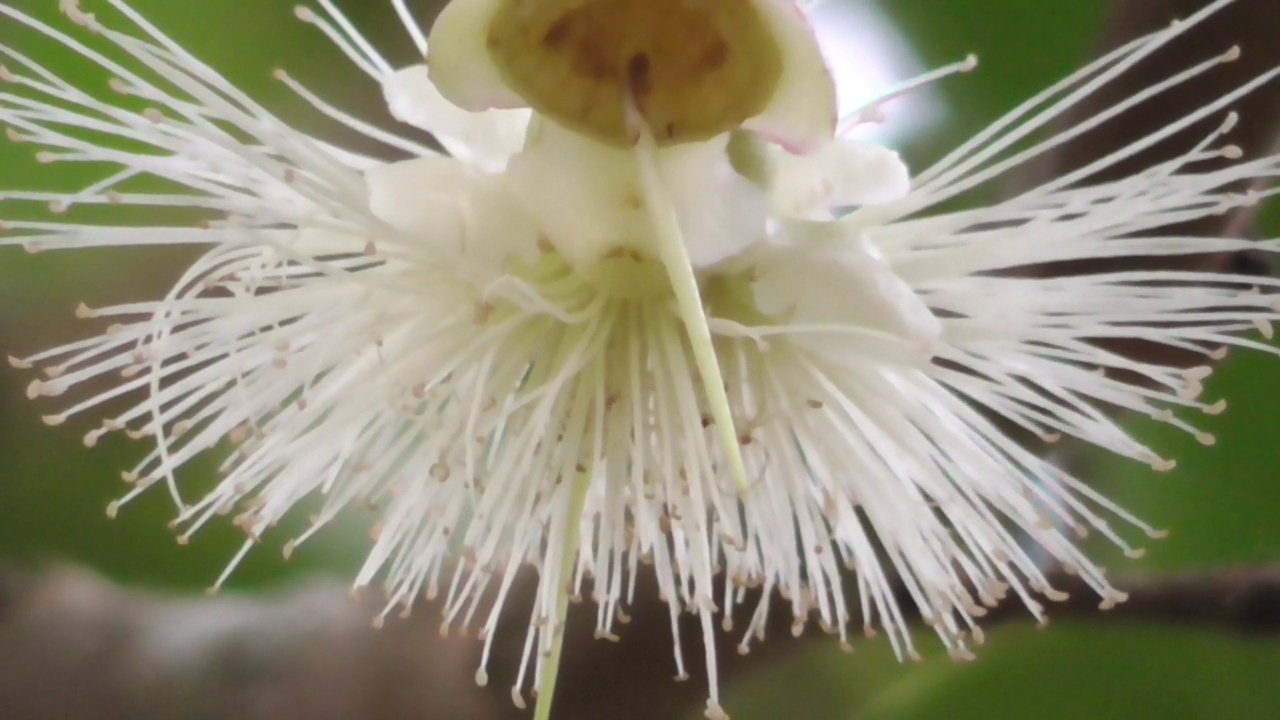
(649, 311)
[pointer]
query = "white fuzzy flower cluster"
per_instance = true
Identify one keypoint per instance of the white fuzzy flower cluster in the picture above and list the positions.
(645, 310)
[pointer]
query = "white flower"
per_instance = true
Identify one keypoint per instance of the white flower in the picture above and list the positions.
(594, 339)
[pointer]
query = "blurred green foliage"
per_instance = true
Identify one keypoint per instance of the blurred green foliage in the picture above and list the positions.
(1221, 504)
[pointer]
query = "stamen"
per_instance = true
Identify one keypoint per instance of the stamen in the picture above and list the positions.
(870, 112)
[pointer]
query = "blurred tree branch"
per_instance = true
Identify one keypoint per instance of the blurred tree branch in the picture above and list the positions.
(76, 647)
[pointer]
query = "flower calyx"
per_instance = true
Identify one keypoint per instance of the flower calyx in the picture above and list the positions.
(689, 71)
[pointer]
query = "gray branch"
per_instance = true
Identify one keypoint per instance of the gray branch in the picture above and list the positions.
(73, 646)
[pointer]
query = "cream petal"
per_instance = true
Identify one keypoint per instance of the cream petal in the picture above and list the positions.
(824, 274)
(802, 114)
(459, 61)
(600, 205)
(441, 202)
(593, 208)
(721, 213)
(409, 197)
(486, 139)
(842, 173)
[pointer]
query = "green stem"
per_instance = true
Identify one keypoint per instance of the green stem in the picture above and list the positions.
(572, 539)
(675, 259)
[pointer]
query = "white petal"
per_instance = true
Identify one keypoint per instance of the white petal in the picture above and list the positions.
(486, 139)
(801, 116)
(459, 60)
(441, 202)
(720, 213)
(842, 173)
(407, 196)
(591, 209)
(821, 273)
